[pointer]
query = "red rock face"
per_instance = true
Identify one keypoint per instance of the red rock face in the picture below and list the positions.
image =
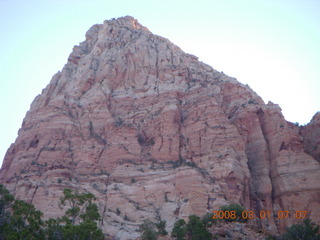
(152, 131)
(311, 137)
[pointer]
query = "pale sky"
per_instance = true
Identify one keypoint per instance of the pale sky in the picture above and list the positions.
(271, 45)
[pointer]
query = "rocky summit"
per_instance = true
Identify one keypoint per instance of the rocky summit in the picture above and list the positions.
(156, 134)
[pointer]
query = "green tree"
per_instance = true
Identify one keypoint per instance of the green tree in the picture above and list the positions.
(162, 228)
(208, 220)
(6, 200)
(20, 220)
(83, 231)
(148, 230)
(196, 229)
(25, 222)
(179, 230)
(306, 231)
(79, 221)
(54, 229)
(81, 206)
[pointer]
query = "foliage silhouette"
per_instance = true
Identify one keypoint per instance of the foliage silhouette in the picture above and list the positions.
(148, 230)
(306, 231)
(20, 220)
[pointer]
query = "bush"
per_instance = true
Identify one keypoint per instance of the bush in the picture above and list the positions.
(252, 101)
(196, 229)
(18, 219)
(271, 238)
(21, 220)
(25, 222)
(162, 228)
(238, 209)
(307, 231)
(79, 221)
(118, 211)
(148, 230)
(6, 200)
(208, 220)
(179, 230)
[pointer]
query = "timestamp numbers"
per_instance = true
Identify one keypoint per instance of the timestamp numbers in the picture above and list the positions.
(231, 215)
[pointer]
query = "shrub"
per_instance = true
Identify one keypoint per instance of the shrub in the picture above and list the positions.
(119, 122)
(162, 228)
(238, 209)
(179, 230)
(141, 139)
(6, 200)
(79, 221)
(208, 220)
(271, 238)
(308, 231)
(148, 230)
(252, 101)
(118, 211)
(24, 223)
(196, 229)
(20, 220)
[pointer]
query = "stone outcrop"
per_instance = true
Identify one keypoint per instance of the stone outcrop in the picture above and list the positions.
(156, 134)
(311, 137)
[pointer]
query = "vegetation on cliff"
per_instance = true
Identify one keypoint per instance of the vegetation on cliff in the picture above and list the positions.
(306, 231)
(20, 220)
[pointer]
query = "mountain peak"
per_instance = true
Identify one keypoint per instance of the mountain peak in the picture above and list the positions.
(127, 21)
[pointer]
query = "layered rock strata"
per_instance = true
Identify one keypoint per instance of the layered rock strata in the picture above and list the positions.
(156, 134)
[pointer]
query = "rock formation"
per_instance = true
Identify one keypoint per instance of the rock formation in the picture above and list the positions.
(156, 134)
(311, 137)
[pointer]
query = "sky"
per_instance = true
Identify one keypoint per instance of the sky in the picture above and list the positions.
(271, 45)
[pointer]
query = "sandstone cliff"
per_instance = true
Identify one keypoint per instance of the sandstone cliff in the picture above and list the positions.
(154, 133)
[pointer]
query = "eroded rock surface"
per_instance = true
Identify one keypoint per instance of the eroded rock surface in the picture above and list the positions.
(156, 134)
